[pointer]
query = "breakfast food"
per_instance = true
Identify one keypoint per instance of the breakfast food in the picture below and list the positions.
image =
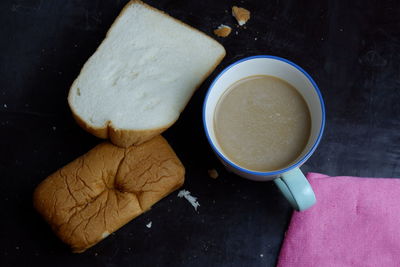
(241, 14)
(222, 30)
(99, 192)
(213, 173)
(141, 76)
(262, 123)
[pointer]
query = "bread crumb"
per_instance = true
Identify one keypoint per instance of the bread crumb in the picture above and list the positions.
(105, 234)
(192, 200)
(223, 31)
(149, 225)
(242, 15)
(213, 173)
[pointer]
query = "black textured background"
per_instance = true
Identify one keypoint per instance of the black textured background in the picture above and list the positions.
(350, 48)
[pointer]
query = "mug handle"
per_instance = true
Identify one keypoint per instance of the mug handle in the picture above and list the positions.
(296, 189)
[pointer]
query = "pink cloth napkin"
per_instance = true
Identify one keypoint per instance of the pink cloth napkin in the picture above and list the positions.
(356, 222)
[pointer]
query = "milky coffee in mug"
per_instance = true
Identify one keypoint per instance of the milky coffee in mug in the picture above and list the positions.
(262, 123)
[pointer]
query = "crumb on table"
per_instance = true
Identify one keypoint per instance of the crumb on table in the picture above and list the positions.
(213, 173)
(191, 199)
(242, 15)
(222, 30)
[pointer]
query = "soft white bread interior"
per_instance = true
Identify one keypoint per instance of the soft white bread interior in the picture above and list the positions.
(141, 76)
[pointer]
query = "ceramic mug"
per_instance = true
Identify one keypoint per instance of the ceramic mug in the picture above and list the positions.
(290, 180)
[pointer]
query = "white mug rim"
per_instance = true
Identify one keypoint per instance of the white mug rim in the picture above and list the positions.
(296, 164)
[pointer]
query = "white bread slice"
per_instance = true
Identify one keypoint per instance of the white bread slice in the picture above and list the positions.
(141, 76)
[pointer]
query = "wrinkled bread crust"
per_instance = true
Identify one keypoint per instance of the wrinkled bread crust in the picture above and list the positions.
(102, 190)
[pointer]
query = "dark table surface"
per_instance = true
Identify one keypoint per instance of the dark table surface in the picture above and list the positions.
(350, 48)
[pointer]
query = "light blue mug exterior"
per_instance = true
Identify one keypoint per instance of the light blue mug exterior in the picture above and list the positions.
(290, 180)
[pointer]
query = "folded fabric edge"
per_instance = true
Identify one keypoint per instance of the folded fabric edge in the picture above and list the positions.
(315, 175)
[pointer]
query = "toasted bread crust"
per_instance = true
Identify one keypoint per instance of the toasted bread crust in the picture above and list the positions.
(119, 137)
(241, 14)
(105, 188)
(223, 31)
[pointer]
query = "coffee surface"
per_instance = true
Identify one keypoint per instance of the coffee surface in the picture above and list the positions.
(262, 123)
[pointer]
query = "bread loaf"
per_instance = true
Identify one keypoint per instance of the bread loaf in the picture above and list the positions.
(104, 189)
(142, 75)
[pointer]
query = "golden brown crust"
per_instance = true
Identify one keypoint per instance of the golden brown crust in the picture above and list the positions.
(223, 31)
(128, 137)
(213, 173)
(102, 190)
(119, 137)
(99, 132)
(242, 15)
